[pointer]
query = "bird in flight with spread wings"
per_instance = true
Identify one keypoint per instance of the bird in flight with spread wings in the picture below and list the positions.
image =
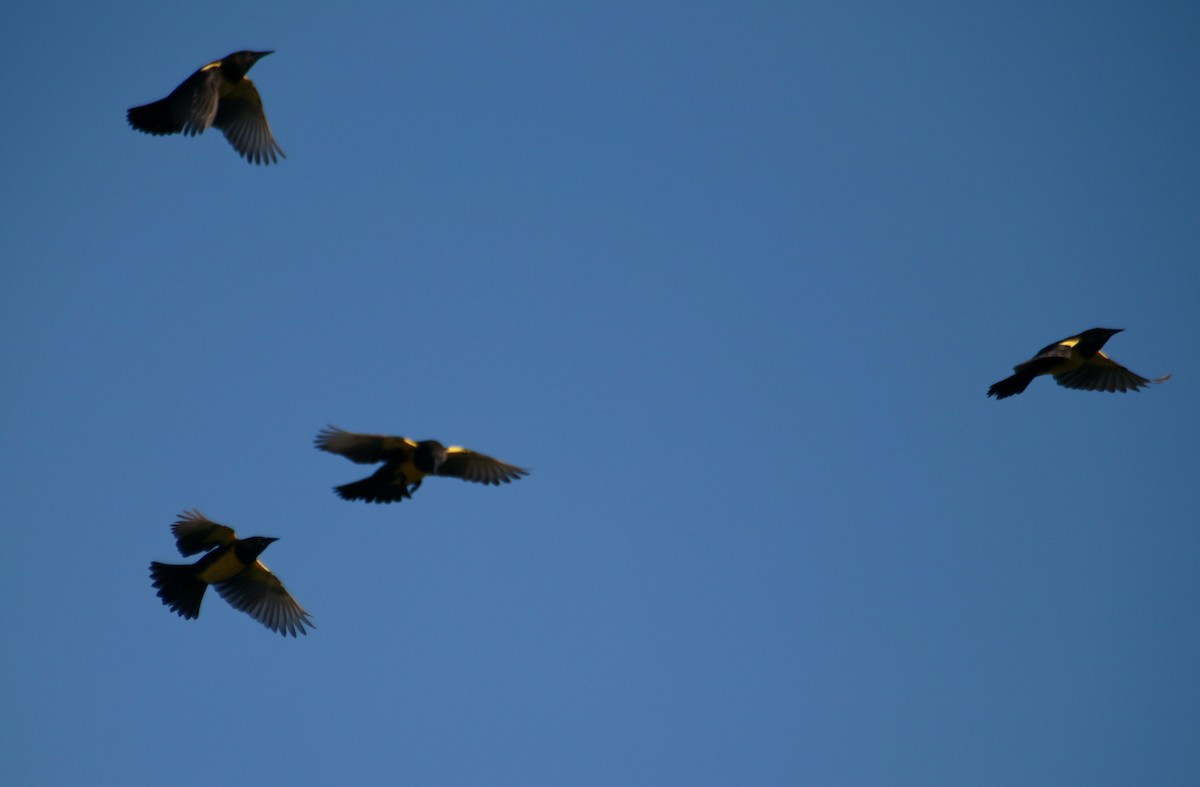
(406, 463)
(220, 95)
(1075, 362)
(233, 568)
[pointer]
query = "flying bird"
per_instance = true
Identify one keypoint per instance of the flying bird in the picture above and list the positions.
(220, 95)
(1075, 362)
(407, 462)
(233, 568)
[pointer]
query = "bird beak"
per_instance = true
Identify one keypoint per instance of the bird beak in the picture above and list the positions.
(261, 55)
(270, 540)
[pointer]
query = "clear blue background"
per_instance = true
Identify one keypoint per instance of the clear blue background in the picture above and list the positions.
(732, 279)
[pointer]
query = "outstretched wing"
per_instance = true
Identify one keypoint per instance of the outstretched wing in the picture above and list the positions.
(1101, 373)
(364, 448)
(241, 119)
(260, 594)
(481, 469)
(195, 532)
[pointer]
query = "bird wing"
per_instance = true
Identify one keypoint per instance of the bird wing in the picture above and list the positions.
(195, 532)
(1060, 349)
(241, 119)
(194, 103)
(364, 448)
(473, 466)
(260, 594)
(1101, 373)
(1049, 358)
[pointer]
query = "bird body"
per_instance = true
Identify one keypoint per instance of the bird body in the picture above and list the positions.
(225, 563)
(1075, 362)
(220, 95)
(407, 462)
(233, 568)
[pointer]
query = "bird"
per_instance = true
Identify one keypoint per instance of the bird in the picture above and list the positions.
(219, 94)
(233, 568)
(406, 463)
(1075, 362)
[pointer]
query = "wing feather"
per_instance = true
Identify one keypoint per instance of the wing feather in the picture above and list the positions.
(1101, 373)
(195, 533)
(478, 468)
(364, 448)
(194, 103)
(260, 594)
(241, 119)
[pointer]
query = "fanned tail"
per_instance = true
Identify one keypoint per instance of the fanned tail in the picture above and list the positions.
(153, 118)
(178, 588)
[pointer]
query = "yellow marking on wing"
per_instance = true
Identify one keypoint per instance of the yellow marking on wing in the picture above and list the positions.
(1069, 342)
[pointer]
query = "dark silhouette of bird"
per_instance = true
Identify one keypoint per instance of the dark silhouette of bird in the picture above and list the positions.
(233, 568)
(220, 95)
(1075, 362)
(407, 462)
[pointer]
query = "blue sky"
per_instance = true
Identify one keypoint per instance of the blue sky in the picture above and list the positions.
(731, 279)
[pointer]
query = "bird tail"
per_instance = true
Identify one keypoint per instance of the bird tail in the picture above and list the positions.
(1010, 386)
(154, 118)
(373, 490)
(179, 588)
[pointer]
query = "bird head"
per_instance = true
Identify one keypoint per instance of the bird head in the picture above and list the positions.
(1091, 340)
(255, 545)
(429, 456)
(1101, 335)
(249, 56)
(236, 65)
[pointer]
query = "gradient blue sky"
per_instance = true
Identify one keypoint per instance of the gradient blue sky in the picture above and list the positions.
(732, 279)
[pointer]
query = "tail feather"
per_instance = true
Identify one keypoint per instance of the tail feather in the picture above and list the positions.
(1010, 386)
(374, 490)
(154, 118)
(178, 588)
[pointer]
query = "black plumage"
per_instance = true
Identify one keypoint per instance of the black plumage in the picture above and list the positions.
(233, 568)
(1075, 362)
(218, 94)
(406, 462)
